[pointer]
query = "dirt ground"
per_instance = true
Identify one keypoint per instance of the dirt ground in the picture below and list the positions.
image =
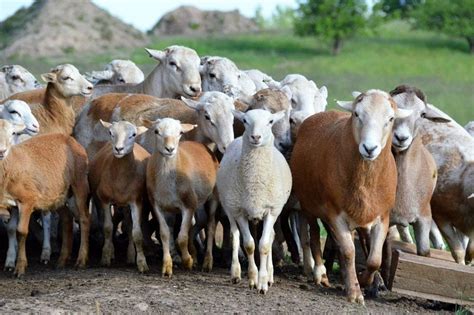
(122, 289)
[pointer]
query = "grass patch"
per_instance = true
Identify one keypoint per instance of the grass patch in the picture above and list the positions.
(437, 64)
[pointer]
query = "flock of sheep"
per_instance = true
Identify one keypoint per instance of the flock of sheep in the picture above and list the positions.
(136, 149)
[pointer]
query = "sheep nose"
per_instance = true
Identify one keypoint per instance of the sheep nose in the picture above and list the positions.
(284, 146)
(256, 137)
(169, 149)
(401, 139)
(195, 88)
(90, 87)
(119, 149)
(370, 150)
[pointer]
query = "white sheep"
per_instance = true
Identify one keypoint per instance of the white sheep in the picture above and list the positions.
(15, 79)
(221, 74)
(470, 128)
(118, 71)
(260, 79)
(254, 183)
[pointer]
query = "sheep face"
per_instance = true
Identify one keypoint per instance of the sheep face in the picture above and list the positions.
(122, 136)
(297, 117)
(68, 81)
(258, 126)
(19, 79)
(182, 69)
(373, 116)
(305, 95)
(406, 129)
(168, 132)
(18, 112)
(125, 71)
(220, 74)
(7, 132)
(215, 117)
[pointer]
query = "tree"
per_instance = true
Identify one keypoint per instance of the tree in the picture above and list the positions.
(397, 8)
(454, 17)
(334, 20)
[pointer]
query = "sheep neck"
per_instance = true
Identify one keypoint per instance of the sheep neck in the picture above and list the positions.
(154, 84)
(366, 186)
(167, 166)
(58, 108)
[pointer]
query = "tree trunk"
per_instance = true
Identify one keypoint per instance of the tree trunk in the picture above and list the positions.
(470, 40)
(336, 46)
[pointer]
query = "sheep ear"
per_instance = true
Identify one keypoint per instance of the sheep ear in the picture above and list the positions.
(156, 54)
(18, 127)
(141, 130)
(313, 84)
(355, 94)
(324, 92)
(278, 115)
(148, 123)
(432, 115)
(187, 127)
(347, 105)
(191, 103)
(238, 114)
(403, 113)
(49, 77)
(287, 91)
(106, 125)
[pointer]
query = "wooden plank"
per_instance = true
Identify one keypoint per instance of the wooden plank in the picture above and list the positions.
(411, 249)
(431, 278)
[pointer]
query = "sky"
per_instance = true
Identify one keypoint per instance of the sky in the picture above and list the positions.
(143, 14)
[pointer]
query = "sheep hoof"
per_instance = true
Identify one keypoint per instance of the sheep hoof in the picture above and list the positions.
(45, 261)
(263, 291)
(188, 263)
(235, 280)
(207, 264)
(143, 268)
(20, 269)
(356, 297)
(80, 264)
(105, 262)
(8, 269)
(323, 282)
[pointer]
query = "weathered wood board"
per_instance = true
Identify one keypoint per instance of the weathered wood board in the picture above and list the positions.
(411, 249)
(431, 278)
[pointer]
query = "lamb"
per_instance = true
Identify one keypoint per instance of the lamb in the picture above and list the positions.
(221, 74)
(31, 180)
(117, 177)
(18, 112)
(118, 71)
(180, 177)
(470, 128)
(453, 150)
(254, 183)
(15, 79)
(177, 74)
(351, 182)
(53, 106)
(212, 112)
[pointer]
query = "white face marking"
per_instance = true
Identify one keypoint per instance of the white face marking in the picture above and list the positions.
(167, 132)
(70, 82)
(122, 138)
(258, 126)
(221, 74)
(18, 112)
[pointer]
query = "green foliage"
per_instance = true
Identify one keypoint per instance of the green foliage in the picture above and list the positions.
(454, 17)
(334, 20)
(282, 18)
(397, 9)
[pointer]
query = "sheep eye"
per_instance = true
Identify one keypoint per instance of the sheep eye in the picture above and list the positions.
(423, 115)
(134, 135)
(156, 132)
(15, 77)
(207, 117)
(14, 112)
(391, 119)
(271, 121)
(212, 75)
(181, 133)
(67, 78)
(110, 132)
(245, 121)
(355, 114)
(292, 121)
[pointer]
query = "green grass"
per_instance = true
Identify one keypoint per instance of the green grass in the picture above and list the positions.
(437, 64)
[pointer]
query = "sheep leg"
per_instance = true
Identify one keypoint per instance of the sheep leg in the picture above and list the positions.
(136, 212)
(183, 238)
(270, 261)
(235, 270)
(405, 234)
(66, 245)
(108, 248)
(25, 211)
(436, 237)
(171, 221)
(422, 236)
(80, 190)
(294, 218)
(319, 271)
(210, 233)
(249, 245)
(167, 268)
(378, 234)
(454, 242)
(393, 232)
(279, 240)
(343, 237)
(308, 262)
(12, 241)
(470, 251)
(127, 225)
(265, 251)
(46, 250)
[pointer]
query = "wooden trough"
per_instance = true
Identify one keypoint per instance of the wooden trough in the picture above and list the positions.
(435, 278)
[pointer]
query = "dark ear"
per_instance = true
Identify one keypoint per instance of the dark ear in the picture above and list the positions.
(432, 115)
